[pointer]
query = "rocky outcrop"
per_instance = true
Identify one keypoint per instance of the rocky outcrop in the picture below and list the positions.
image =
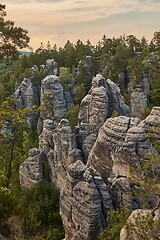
(120, 144)
(139, 102)
(27, 96)
(152, 122)
(142, 224)
(46, 138)
(103, 99)
(85, 196)
(30, 170)
(26, 93)
(52, 99)
(51, 67)
(63, 154)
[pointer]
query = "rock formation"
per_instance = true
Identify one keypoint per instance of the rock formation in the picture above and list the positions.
(26, 94)
(119, 145)
(30, 170)
(152, 122)
(27, 97)
(63, 154)
(52, 67)
(139, 102)
(102, 100)
(142, 224)
(46, 138)
(108, 146)
(52, 99)
(85, 196)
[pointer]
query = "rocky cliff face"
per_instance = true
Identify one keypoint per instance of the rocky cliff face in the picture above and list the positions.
(119, 145)
(31, 169)
(27, 96)
(63, 154)
(95, 180)
(84, 203)
(52, 99)
(102, 100)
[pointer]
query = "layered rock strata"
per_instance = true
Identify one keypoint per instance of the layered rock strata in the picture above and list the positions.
(119, 145)
(63, 154)
(102, 100)
(52, 99)
(84, 196)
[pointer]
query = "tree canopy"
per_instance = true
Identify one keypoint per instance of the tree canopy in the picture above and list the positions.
(12, 38)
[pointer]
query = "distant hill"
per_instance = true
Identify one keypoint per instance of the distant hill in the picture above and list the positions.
(22, 54)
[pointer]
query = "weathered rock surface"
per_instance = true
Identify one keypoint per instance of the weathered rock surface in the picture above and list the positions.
(102, 100)
(26, 93)
(120, 144)
(63, 154)
(52, 99)
(121, 193)
(46, 138)
(138, 227)
(52, 67)
(30, 170)
(27, 96)
(84, 203)
(139, 102)
(152, 122)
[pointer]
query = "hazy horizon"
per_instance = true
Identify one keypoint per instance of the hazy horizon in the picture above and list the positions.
(60, 20)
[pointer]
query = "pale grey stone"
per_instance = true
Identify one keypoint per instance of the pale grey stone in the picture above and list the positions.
(84, 203)
(30, 171)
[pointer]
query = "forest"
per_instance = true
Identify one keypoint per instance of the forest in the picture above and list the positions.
(34, 213)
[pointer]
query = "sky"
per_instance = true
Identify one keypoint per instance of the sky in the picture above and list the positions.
(60, 20)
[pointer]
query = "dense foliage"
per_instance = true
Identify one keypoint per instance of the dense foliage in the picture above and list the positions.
(12, 38)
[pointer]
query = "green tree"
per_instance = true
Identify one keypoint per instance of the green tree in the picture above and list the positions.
(39, 212)
(12, 38)
(12, 122)
(115, 222)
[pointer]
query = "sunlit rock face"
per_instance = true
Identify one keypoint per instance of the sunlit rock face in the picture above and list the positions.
(30, 170)
(120, 144)
(52, 99)
(102, 101)
(84, 203)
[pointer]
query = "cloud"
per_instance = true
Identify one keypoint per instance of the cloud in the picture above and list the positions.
(47, 19)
